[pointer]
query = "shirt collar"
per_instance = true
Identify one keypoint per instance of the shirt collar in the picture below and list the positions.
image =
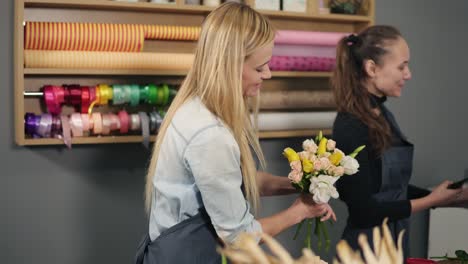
(377, 101)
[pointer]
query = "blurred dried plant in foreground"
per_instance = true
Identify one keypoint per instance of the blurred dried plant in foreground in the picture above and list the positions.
(247, 251)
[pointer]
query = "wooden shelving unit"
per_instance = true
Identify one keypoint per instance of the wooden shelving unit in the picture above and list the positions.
(54, 71)
(103, 11)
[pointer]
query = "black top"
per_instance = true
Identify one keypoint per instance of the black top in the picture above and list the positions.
(356, 190)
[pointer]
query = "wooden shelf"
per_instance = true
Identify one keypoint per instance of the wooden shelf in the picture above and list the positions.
(327, 17)
(139, 139)
(105, 11)
(293, 133)
(293, 74)
(183, 9)
(53, 71)
(86, 140)
(60, 71)
(115, 5)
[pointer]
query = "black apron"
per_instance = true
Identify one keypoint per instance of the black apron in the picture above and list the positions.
(397, 165)
(193, 240)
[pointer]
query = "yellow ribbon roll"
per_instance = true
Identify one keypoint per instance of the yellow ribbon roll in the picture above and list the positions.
(107, 60)
(83, 36)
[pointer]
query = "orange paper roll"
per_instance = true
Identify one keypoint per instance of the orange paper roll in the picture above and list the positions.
(107, 60)
(166, 32)
(83, 36)
(299, 99)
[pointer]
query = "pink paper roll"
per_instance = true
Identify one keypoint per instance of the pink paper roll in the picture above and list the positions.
(308, 37)
(291, 63)
(304, 51)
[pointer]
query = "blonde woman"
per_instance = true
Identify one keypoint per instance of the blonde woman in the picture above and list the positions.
(202, 179)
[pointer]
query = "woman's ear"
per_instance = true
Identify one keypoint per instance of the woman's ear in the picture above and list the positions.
(370, 67)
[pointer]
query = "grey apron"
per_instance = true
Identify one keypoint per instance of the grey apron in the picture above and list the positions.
(193, 240)
(397, 165)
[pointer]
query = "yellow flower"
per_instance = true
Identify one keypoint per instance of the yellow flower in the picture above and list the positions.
(307, 165)
(290, 154)
(335, 158)
(322, 147)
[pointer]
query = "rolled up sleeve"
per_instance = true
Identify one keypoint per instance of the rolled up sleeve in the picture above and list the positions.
(213, 157)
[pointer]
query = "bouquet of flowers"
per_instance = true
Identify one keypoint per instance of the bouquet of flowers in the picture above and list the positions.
(315, 170)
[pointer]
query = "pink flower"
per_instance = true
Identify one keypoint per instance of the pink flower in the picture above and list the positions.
(304, 155)
(321, 164)
(296, 171)
(295, 176)
(309, 146)
(331, 144)
(336, 171)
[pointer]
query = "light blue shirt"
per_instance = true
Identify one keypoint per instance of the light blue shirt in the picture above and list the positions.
(199, 166)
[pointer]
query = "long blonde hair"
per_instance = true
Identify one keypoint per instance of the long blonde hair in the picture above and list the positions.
(229, 35)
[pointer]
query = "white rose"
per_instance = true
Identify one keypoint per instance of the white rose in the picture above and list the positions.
(350, 165)
(321, 187)
(309, 145)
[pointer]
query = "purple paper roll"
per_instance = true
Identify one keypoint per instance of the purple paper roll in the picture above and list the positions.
(308, 37)
(304, 50)
(291, 63)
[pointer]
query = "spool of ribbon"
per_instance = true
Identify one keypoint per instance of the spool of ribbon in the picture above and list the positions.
(97, 123)
(45, 126)
(54, 97)
(145, 128)
(124, 121)
(155, 121)
(31, 124)
(135, 123)
(56, 131)
(76, 125)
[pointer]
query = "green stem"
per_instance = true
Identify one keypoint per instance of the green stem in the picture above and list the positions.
(318, 232)
(223, 259)
(298, 229)
(309, 234)
(325, 234)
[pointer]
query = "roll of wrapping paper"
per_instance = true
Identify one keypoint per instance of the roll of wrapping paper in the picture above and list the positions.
(167, 32)
(291, 63)
(107, 60)
(301, 99)
(268, 121)
(308, 37)
(83, 36)
(304, 50)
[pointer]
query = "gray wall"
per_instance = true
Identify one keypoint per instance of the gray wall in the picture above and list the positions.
(85, 205)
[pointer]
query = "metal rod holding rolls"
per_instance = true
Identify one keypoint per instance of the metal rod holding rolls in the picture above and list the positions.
(33, 93)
